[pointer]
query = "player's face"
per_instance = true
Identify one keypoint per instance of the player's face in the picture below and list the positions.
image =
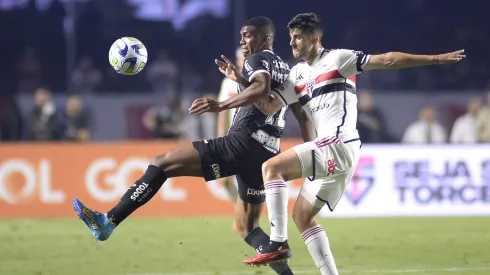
(250, 41)
(301, 43)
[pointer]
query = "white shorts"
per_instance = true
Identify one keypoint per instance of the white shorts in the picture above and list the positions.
(329, 165)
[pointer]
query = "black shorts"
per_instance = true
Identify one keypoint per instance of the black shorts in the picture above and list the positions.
(236, 154)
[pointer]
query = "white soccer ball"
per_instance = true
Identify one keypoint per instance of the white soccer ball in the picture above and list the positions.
(128, 56)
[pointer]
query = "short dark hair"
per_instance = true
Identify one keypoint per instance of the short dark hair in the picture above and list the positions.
(309, 23)
(262, 24)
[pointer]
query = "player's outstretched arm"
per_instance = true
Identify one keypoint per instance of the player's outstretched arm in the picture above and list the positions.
(258, 89)
(399, 60)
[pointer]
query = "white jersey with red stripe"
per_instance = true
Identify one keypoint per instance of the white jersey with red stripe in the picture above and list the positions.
(327, 91)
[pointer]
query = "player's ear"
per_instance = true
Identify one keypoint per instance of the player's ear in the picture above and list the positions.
(267, 39)
(315, 39)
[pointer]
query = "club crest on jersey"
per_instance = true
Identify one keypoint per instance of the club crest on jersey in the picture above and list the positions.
(265, 64)
(309, 86)
(247, 67)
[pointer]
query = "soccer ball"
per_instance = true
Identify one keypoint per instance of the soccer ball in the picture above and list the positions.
(128, 56)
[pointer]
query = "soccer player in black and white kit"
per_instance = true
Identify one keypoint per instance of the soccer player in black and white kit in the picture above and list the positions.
(252, 139)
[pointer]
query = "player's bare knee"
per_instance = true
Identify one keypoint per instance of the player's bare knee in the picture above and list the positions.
(270, 170)
(163, 161)
(158, 160)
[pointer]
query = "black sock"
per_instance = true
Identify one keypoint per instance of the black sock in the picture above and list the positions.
(258, 237)
(138, 194)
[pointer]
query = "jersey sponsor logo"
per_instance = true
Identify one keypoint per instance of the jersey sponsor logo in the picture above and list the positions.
(280, 71)
(270, 143)
(255, 193)
(331, 166)
(319, 107)
(216, 170)
(299, 77)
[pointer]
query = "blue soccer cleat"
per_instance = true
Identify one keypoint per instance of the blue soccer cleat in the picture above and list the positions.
(97, 222)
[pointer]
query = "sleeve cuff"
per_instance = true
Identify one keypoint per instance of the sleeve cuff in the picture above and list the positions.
(250, 78)
(283, 100)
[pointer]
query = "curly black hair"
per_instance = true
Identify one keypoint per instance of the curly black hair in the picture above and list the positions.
(309, 23)
(262, 24)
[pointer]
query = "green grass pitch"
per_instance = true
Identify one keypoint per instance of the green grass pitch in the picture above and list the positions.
(208, 246)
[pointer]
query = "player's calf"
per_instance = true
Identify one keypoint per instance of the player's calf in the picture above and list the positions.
(276, 171)
(138, 194)
(317, 242)
(304, 214)
(247, 217)
(181, 161)
(313, 234)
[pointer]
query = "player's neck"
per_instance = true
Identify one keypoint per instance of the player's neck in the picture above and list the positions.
(266, 49)
(313, 54)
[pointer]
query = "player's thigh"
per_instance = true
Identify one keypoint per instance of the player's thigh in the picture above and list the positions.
(183, 160)
(247, 216)
(228, 181)
(218, 157)
(310, 160)
(333, 169)
(286, 166)
(325, 157)
(327, 191)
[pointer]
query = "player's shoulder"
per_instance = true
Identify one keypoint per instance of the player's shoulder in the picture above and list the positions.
(257, 56)
(254, 61)
(342, 52)
(299, 67)
(264, 55)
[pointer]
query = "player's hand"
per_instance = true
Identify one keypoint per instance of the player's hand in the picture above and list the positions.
(229, 69)
(204, 105)
(449, 58)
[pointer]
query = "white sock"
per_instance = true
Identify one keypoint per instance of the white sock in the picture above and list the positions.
(317, 242)
(276, 197)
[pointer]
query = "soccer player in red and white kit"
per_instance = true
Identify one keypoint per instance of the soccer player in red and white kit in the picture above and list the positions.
(325, 85)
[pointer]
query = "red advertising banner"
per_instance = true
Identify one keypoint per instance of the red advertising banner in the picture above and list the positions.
(40, 180)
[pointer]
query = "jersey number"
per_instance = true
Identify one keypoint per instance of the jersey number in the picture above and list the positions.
(278, 119)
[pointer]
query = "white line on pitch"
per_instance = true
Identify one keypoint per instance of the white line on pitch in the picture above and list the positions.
(359, 271)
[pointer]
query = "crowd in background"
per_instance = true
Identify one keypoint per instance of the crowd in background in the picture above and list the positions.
(181, 64)
(72, 122)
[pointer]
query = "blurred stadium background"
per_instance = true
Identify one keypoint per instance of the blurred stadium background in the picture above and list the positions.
(72, 127)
